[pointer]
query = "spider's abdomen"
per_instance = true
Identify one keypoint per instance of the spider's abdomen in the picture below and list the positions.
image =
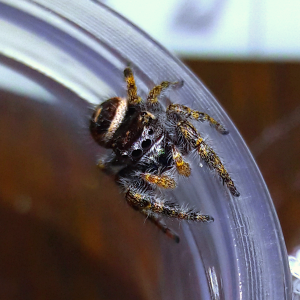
(129, 131)
(106, 119)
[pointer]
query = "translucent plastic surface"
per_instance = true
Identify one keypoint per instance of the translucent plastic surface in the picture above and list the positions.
(294, 261)
(83, 46)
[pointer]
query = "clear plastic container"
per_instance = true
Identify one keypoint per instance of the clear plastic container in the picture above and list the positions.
(83, 47)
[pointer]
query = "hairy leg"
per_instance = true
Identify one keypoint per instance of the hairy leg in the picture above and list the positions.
(157, 90)
(160, 224)
(189, 113)
(132, 95)
(190, 134)
(145, 200)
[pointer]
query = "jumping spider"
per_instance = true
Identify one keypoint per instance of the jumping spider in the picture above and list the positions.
(149, 144)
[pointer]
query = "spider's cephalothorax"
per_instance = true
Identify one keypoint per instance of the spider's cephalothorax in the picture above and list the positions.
(149, 143)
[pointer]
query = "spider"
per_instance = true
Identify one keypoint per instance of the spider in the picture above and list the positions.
(149, 146)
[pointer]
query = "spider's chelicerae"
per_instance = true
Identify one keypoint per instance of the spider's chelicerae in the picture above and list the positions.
(149, 146)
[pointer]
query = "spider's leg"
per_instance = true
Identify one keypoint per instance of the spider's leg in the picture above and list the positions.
(108, 163)
(190, 134)
(160, 224)
(157, 90)
(163, 181)
(189, 113)
(103, 164)
(132, 95)
(183, 168)
(145, 200)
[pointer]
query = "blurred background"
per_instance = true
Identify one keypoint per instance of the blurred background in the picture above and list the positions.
(247, 52)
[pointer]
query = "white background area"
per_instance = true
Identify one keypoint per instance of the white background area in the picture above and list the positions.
(256, 29)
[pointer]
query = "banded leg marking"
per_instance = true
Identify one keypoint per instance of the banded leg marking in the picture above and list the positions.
(187, 112)
(132, 95)
(190, 133)
(146, 201)
(157, 90)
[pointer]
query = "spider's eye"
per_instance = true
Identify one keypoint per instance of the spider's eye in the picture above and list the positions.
(146, 144)
(150, 131)
(137, 153)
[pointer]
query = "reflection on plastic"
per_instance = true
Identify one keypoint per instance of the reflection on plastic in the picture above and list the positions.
(294, 261)
(213, 283)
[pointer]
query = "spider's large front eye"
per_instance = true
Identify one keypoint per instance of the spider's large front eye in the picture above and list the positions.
(146, 144)
(106, 119)
(137, 153)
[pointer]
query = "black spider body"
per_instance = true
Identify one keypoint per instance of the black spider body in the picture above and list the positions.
(149, 145)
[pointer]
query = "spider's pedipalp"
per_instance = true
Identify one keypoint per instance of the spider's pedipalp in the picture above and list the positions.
(163, 181)
(189, 113)
(183, 168)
